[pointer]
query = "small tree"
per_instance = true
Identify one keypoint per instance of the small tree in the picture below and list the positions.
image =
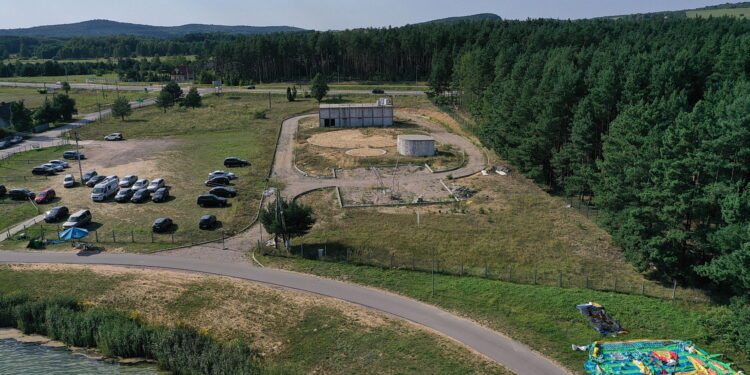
(319, 87)
(65, 86)
(121, 108)
(192, 99)
(164, 100)
(65, 105)
(294, 93)
(46, 114)
(289, 96)
(288, 219)
(20, 116)
(173, 89)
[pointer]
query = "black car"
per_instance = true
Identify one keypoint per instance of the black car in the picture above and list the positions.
(207, 200)
(235, 162)
(141, 196)
(87, 176)
(161, 195)
(162, 225)
(56, 214)
(3, 190)
(207, 222)
(124, 195)
(378, 91)
(95, 180)
(217, 181)
(251, 87)
(223, 192)
(21, 194)
(74, 155)
(43, 171)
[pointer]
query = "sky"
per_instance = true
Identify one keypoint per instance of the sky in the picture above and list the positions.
(315, 14)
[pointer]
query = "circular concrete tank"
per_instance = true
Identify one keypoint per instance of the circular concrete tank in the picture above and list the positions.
(416, 145)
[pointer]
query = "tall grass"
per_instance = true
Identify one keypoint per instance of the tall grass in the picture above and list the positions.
(180, 349)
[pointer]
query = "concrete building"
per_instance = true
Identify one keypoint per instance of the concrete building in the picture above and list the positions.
(415, 145)
(356, 115)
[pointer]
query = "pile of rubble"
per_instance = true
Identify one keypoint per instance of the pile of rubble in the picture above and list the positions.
(462, 191)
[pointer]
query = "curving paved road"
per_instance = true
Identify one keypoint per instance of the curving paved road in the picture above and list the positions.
(513, 355)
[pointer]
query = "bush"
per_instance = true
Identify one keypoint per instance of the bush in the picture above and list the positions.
(125, 337)
(8, 302)
(31, 316)
(260, 115)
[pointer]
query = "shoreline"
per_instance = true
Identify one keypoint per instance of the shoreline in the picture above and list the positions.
(90, 353)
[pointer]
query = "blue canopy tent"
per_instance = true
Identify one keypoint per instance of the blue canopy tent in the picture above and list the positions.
(74, 234)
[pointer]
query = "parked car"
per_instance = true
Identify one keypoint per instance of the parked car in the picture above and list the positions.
(42, 171)
(141, 196)
(93, 181)
(162, 225)
(16, 139)
(209, 200)
(21, 194)
(45, 196)
(54, 167)
(217, 181)
(251, 87)
(161, 195)
(221, 173)
(73, 155)
(140, 184)
(4, 144)
(56, 214)
(113, 178)
(114, 137)
(124, 195)
(87, 176)
(69, 181)
(378, 91)
(235, 162)
(156, 185)
(79, 219)
(104, 190)
(60, 162)
(207, 222)
(128, 181)
(3, 190)
(224, 192)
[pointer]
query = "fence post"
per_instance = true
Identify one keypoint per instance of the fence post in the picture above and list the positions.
(674, 289)
(643, 287)
(510, 274)
(561, 279)
(114, 238)
(615, 285)
(42, 227)
(172, 237)
(587, 280)
(534, 277)
(486, 271)
(413, 264)
(348, 254)
(132, 236)
(392, 255)
(152, 236)
(96, 234)
(462, 268)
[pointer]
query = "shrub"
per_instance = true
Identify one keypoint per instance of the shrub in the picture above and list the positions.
(8, 302)
(260, 115)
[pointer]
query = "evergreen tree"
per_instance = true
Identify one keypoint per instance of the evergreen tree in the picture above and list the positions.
(289, 96)
(288, 219)
(165, 100)
(192, 99)
(318, 87)
(20, 116)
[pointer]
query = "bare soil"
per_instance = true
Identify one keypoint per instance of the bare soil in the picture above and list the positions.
(352, 138)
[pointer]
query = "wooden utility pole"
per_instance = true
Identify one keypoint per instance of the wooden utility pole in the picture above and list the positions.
(78, 157)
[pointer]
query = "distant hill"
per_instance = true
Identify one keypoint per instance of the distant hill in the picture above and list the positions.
(738, 10)
(107, 28)
(475, 17)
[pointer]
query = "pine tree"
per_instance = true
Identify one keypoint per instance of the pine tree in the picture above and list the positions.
(192, 99)
(121, 108)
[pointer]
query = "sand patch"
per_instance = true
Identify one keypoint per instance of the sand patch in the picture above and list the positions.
(365, 152)
(351, 138)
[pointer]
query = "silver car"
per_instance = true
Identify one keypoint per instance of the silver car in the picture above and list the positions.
(140, 184)
(60, 162)
(128, 181)
(54, 167)
(156, 185)
(69, 181)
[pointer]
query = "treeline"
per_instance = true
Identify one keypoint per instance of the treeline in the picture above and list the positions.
(113, 46)
(180, 349)
(142, 69)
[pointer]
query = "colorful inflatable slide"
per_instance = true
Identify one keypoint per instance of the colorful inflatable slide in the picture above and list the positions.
(653, 357)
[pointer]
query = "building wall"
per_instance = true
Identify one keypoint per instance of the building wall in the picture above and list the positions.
(417, 148)
(342, 117)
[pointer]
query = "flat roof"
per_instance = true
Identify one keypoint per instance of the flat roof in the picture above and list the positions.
(366, 105)
(416, 137)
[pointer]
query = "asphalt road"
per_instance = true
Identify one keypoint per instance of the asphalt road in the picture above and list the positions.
(511, 354)
(94, 86)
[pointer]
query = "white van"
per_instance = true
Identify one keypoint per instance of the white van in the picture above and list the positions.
(105, 190)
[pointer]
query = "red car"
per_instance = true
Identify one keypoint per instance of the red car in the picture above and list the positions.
(45, 196)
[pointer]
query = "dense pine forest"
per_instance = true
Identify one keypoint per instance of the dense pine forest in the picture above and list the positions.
(647, 120)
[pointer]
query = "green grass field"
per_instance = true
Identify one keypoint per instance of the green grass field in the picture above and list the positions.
(87, 101)
(295, 334)
(545, 318)
(736, 13)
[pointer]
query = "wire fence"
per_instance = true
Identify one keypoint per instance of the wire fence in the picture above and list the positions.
(507, 273)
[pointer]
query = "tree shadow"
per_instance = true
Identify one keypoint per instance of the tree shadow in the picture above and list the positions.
(135, 120)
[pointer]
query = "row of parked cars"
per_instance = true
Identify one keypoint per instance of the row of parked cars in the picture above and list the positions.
(22, 194)
(129, 189)
(219, 181)
(10, 141)
(57, 214)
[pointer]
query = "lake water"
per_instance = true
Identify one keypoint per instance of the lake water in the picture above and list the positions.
(31, 359)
